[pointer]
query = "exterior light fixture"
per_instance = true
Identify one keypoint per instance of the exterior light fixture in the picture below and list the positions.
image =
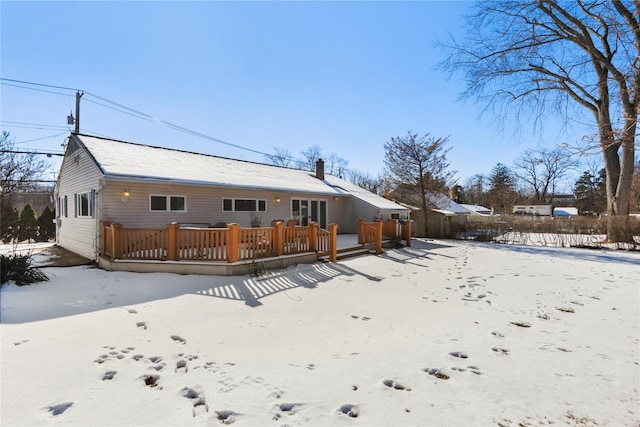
(125, 196)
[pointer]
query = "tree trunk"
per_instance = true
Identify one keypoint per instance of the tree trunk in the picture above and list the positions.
(619, 170)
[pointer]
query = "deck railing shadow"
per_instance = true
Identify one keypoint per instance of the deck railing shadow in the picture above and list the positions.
(252, 290)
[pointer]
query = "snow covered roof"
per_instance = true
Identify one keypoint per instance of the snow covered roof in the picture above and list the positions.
(445, 205)
(126, 160)
(476, 209)
(565, 211)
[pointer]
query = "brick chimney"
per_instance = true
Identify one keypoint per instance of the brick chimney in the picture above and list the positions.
(320, 169)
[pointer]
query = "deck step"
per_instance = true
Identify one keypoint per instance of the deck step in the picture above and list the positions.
(351, 252)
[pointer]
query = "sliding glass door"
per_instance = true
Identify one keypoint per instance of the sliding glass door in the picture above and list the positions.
(307, 210)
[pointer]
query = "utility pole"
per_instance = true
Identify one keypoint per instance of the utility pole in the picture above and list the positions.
(78, 96)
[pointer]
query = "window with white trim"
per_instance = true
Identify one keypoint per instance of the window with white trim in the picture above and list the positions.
(85, 204)
(244, 205)
(165, 203)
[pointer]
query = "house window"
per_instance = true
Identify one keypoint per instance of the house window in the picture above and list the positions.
(84, 204)
(244, 205)
(65, 206)
(161, 203)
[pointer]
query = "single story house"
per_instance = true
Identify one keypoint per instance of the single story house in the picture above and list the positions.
(142, 186)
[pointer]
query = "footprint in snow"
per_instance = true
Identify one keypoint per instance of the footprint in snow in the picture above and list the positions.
(59, 408)
(178, 339)
(109, 375)
(350, 410)
(395, 385)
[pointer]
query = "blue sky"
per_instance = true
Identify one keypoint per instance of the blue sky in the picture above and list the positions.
(346, 76)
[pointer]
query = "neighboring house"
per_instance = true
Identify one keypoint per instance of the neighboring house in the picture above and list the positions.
(140, 186)
(476, 210)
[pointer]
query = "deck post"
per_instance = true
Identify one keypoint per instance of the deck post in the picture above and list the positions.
(103, 240)
(393, 229)
(117, 241)
(313, 236)
(407, 232)
(379, 225)
(173, 242)
(278, 239)
(361, 232)
(233, 244)
(333, 242)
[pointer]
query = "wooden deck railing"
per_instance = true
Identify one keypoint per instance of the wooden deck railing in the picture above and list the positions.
(372, 233)
(215, 244)
(234, 243)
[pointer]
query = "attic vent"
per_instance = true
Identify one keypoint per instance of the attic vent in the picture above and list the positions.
(73, 146)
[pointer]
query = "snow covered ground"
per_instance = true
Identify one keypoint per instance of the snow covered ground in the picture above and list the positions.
(442, 333)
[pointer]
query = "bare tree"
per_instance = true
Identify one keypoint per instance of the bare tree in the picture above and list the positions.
(543, 169)
(366, 181)
(311, 156)
(280, 157)
(418, 165)
(336, 165)
(578, 57)
(18, 171)
(476, 190)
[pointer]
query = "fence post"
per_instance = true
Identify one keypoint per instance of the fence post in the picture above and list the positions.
(379, 225)
(407, 232)
(117, 241)
(173, 242)
(278, 239)
(233, 245)
(361, 231)
(313, 236)
(333, 242)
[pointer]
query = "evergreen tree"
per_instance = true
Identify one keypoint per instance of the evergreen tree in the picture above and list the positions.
(8, 220)
(27, 224)
(46, 225)
(502, 189)
(591, 194)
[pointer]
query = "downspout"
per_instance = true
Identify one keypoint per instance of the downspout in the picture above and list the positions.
(98, 219)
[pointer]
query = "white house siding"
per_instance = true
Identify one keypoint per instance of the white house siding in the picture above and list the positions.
(78, 174)
(203, 204)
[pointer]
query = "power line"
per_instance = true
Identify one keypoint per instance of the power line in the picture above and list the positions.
(135, 113)
(31, 152)
(37, 84)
